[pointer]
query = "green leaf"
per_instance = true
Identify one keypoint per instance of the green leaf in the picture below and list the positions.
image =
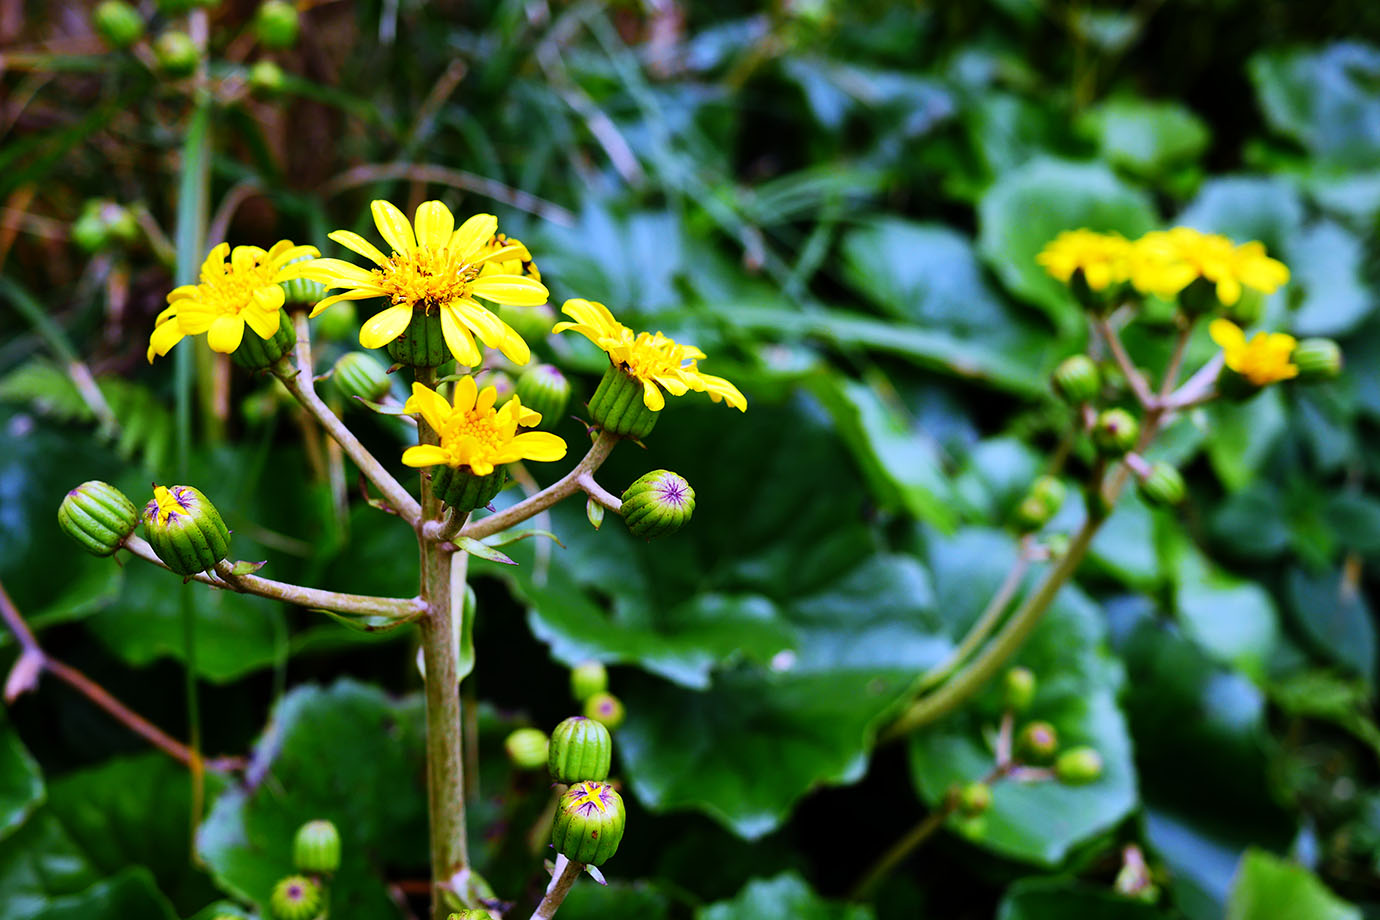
(1325, 100)
(1232, 619)
(483, 551)
(616, 901)
(130, 893)
(1248, 208)
(1334, 615)
(1145, 138)
(1059, 899)
(21, 781)
(1029, 206)
(1242, 436)
(1269, 887)
(785, 897)
(346, 753)
(1327, 261)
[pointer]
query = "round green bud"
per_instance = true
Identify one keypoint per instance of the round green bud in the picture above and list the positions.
(256, 354)
(1038, 742)
(266, 81)
(606, 709)
(657, 503)
(306, 292)
(1049, 491)
(117, 23)
(1018, 689)
(1031, 514)
(120, 222)
(588, 678)
(532, 323)
(1317, 359)
(581, 749)
(471, 913)
(1115, 432)
(316, 848)
(185, 530)
(589, 823)
(618, 407)
(98, 516)
(177, 55)
(542, 388)
(463, 490)
(974, 799)
(1163, 485)
(528, 748)
(1078, 766)
(1077, 380)
(276, 24)
(359, 375)
(90, 232)
(296, 898)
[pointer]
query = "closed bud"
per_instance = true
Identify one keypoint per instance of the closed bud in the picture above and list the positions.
(618, 408)
(266, 81)
(98, 516)
(359, 375)
(177, 55)
(90, 232)
(1163, 485)
(118, 23)
(256, 354)
(1049, 491)
(589, 823)
(464, 491)
(316, 848)
(1078, 766)
(1077, 380)
(974, 799)
(1031, 514)
(581, 749)
(1115, 432)
(532, 323)
(473, 913)
(1317, 359)
(185, 530)
(528, 748)
(304, 291)
(544, 389)
(657, 503)
(296, 898)
(606, 709)
(1018, 689)
(588, 678)
(276, 24)
(1038, 742)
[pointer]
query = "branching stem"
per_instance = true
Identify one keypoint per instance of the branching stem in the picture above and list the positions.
(580, 479)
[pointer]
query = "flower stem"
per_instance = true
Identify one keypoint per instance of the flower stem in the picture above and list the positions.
(562, 880)
(580, 479)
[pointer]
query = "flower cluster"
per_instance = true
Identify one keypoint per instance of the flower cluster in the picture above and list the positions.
(476, 435)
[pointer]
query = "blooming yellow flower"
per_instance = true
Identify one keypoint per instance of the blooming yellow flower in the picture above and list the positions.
(1165, 262)
(658, 362)
(476, 435)
(244, 290)
(1101, 256)
(436, 268)
(1262, 360)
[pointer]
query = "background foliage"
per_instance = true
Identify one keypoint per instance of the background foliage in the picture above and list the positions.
(840, 203)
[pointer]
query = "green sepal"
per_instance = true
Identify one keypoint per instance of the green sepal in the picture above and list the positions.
(545, 390)
(255, 353)
(618, 406)
(422, 343)
(192, 540)
(585, 832)
(462, 490)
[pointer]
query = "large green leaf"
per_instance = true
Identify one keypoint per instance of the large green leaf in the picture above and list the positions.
(21, 781)
(1327, 261)
(1233, 619)
(1326, 100)
(1145, 138)
(346, 753)
(785, 897)
(1057, 899)
(1335, 616)
(1268, 887)
(1242, 437)
(1248, 208)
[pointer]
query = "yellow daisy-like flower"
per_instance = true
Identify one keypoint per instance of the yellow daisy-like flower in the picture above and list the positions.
(1101, 256)
(1165, 262)
(658, 362)
(1263, 359)
(433, 266)
(514, 258)
(231, 294)
(476, 435)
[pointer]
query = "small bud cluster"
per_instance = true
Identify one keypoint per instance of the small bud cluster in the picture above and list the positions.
(316, 857)
(589, 815)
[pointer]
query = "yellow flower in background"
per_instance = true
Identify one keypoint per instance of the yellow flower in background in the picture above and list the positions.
(1167, 261)
(230, 295)
(476, 435)
(433, 266)
(515, 259)
(1103, 257)
(658, 362)
(1263, 359)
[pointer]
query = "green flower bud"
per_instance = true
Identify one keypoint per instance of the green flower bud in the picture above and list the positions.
(581, 749)
(544, 389)
(1049, 491)
(304, 291)
(1077, 380)
(316, 848)
(974, 799)
(121, 223)
(1317, 359)
(463, 490)
(589, 823)
(359, 375)
(588, 678)
(1163, 485)
(1031, 514)
(276, 24)
(256, 354)
(177, 55)
(1115, 432)
(98, 516)
(338, 324)
(1078, 766)
(118, 23)
(422, 343)
(1037, 742)
(471, 914)
(528, 748)
(296, 898)
(606, 709)
(618, 408)
(266, 81)
(657, 503)
(1018, 689)
(532, 323)
(185, 530)
(90, 232)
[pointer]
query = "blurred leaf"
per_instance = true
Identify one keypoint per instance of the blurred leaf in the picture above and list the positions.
(1326, 261)
(1248, 208)
(1334, 615)
(1326, 100)
(130, 893)
(995, 476)
(1145, 138)
(1233, 619)
(1324, 696)
(1242, 436)
(785, 897)
(21, 781)
(628, 262)
(1268, 887)
(1251, 523)
(1355, 519)
(1057, 899)
(617, 901)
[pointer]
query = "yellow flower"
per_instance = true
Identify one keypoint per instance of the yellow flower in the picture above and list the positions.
(475, 434)
(1262, 360)
(516, 259)
(658, 362)
(1101, 256)
(440, 268)
(244, 290)
(1167, 261)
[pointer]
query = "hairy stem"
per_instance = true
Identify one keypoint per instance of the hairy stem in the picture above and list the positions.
(580, 479)
(562, 880)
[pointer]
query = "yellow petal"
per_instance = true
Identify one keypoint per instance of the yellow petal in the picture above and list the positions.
(458, 338)
(265, 323)
(214, 266)
(652, 397)
(466, 394)
(225, 333)
(182, 292)
(393, 226)
(539, 445)
(431, 405)
(269, 298)
(382, 328)
(164, 338)
(515, 290)
(331, 272)
(360, 294)
(1227, 334)
(424, 455)
(435, 224)
(472, 234)
(278, 258)
(358, 245)
(244, 258)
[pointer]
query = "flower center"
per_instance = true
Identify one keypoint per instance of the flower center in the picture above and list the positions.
(168, 505)
(648, 356)
(233, 291)
(425, 277)
(590, 798)
(475, 425)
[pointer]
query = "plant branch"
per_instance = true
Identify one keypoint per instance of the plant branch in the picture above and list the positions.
(562, 880)
(1134, 377)
(1176, 360)
(580, 479)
